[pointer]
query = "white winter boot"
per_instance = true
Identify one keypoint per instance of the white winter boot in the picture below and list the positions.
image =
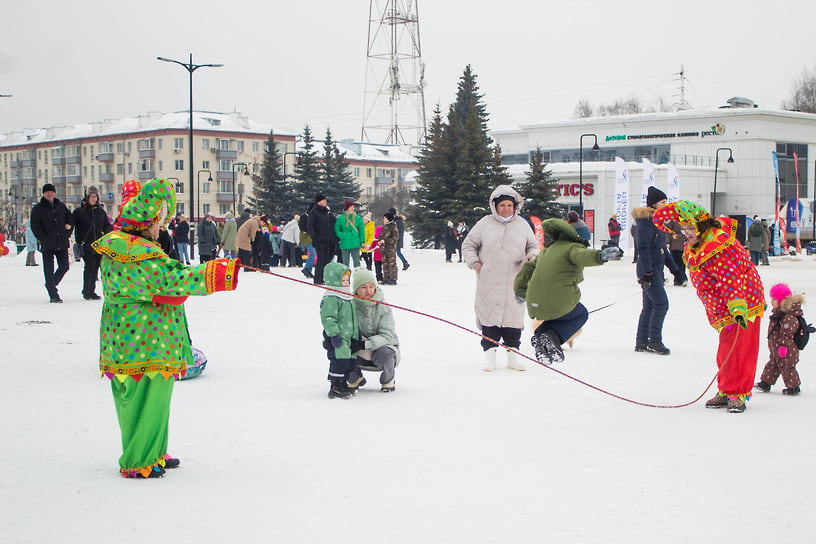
(490, 360)
(513, 362)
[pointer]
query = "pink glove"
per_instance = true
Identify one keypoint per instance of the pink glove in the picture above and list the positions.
(782, 351)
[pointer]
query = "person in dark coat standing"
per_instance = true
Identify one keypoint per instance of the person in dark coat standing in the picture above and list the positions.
(207, 238)
(90, 223)
(321, 230)
(182, 238)
(52, 224)
(651, 249)
(399, 220)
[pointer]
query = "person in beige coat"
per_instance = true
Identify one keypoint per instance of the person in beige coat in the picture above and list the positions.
(496, 249)
(245, 237)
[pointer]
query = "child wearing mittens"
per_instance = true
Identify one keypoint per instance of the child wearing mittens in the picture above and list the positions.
(784, 324)
(341, 332)
(143, 341)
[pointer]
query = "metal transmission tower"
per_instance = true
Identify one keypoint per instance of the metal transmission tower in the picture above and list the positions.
(394, 98)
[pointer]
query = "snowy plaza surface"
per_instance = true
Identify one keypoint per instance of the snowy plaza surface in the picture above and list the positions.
(454, 455)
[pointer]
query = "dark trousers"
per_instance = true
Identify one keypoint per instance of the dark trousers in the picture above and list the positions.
(401, 257)
(567, 325)
(677, 255)
(52, 279)
(92, 260)
(246, 256)
(338, 368)
(367, 257)
(511, 336)
(290, 254)
(378, 270)
(324, 256)
(655, 308)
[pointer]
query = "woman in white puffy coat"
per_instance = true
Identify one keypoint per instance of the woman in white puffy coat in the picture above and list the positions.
(496, 248)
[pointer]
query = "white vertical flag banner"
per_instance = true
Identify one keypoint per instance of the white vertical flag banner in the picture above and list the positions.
(672, 183)
(622, 201)
(648, 180)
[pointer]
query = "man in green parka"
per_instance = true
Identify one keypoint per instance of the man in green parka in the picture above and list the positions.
(550, 286)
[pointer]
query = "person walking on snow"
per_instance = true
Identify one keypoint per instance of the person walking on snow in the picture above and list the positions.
(730, 289)
(782, 328)
(496, 248)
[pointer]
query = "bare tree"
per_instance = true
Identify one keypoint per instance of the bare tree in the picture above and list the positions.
(804, 93)
(583, 109)
(621, 106)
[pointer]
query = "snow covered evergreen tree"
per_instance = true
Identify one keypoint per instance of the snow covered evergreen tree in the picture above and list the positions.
(339, 183)
(308, 182)
(459, 167)
(540, 190)
(267, 191)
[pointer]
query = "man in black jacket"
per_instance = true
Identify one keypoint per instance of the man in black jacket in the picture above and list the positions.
(321, 229)
(90, 223)
(51, 223)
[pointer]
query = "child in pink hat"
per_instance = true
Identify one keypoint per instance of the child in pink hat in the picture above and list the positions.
(783, 326)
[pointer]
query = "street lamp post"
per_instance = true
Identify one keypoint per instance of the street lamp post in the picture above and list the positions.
(190, 67)
(716, 167)
(246, 173)
(581, 169)
(198, 188)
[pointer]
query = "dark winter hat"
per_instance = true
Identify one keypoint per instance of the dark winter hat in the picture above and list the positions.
(502, 198)
(264, 219)
(654, 195)
(393, 210)
(389, 215)
(347, 204)
(572, 216)
(319, 197)
(92, 190)
(48, 187)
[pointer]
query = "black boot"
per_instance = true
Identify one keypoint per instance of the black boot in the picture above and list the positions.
(339, 389)
(763, 386)
(791, 391)
(658, 347)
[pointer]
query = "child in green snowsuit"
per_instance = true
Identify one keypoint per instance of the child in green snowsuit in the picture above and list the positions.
(340, 328)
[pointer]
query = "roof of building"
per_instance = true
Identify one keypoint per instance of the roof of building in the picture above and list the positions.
(151, 121)
(358, 151)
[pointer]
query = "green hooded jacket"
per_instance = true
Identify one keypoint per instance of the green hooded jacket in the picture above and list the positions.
(550, 282)
(337, 311)
(350, 231)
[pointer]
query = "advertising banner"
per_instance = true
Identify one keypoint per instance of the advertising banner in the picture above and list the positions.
(622, 201)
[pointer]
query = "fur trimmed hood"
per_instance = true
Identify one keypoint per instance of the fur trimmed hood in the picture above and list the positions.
(789, 302)
(643, 213)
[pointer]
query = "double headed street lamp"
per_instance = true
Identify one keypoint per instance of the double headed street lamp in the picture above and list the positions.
(581, 170)
(716, 168)
(190, 67)
(246, 173)
(198, 189)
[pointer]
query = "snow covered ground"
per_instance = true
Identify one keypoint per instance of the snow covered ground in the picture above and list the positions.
(454, 455)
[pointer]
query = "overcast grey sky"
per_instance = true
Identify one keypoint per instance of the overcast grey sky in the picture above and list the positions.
(292, 63)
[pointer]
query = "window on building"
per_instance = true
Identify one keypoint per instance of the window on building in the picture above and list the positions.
(39, 154)
(85, 172)
(146, 165)
(179, 187)
(178, 143)
(72, 151)
(368, 191)
(205, 208)
(205, 144)
(120, 169)
(225, 186)
(72, 170)
(205, 187)
(205, 165)
(240, 146)
(255, 147)
(179, 164)
(368, 172)
(180, 207)
(130, 146)
(223, 144)
(120, 147)
(130, 168)
(223, 209)
(85, 150)
(161, 166)
(225, 165)
(356, 172)
(160, 143)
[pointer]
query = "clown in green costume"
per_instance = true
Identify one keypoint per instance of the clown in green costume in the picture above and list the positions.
(143, 341)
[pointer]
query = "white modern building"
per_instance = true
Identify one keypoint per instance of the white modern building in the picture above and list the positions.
(694, 141)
